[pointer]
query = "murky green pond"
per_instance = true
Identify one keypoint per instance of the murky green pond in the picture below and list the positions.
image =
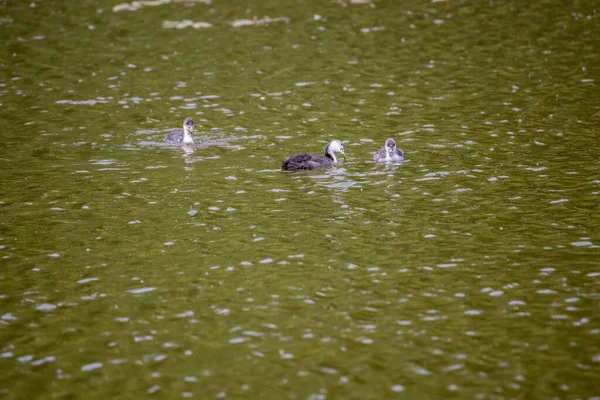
(131, 269)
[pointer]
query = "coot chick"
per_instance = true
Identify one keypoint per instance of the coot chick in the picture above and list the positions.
(389, 152)
(183, 138)
(314, 161)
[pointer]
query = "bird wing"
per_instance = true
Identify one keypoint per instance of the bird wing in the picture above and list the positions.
(174, 137)
(305, 161)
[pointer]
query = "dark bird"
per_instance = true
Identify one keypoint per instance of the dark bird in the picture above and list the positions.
(314, 161)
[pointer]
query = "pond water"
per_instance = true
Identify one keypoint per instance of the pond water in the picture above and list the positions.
(132, 269)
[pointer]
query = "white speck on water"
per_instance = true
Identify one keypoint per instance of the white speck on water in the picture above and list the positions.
(596, 358)
(25, 359)
(428, 236)
(397, 388)
(454, 367)
(252, 333)
(190, 379)
(134, 222)
(237, 340)
(496, 293)
(154, 389)
(536, 169)
(185, 314)
(285, 356)
(421, 371)
(54, 255)
(516, 303)
(581, 244)
(472, 312)
(45, 307)
(91, 367)
(546, 291)
(87, 280)
(572, 300)
(301, 84)
(365, 340)
(266, 261)
(559, 201)
(6, 354)
(43, 361)
(450, 265)
(9, 317)
(141, 290)
(169, 243)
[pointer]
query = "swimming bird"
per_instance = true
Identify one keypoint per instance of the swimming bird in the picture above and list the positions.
(183, 138)
(314, 161)
(389, 152)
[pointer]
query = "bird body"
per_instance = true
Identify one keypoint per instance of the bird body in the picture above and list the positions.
(389, 153)
(303, 161)
(183, 138)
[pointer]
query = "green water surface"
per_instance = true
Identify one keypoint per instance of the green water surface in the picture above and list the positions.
(131, 269)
